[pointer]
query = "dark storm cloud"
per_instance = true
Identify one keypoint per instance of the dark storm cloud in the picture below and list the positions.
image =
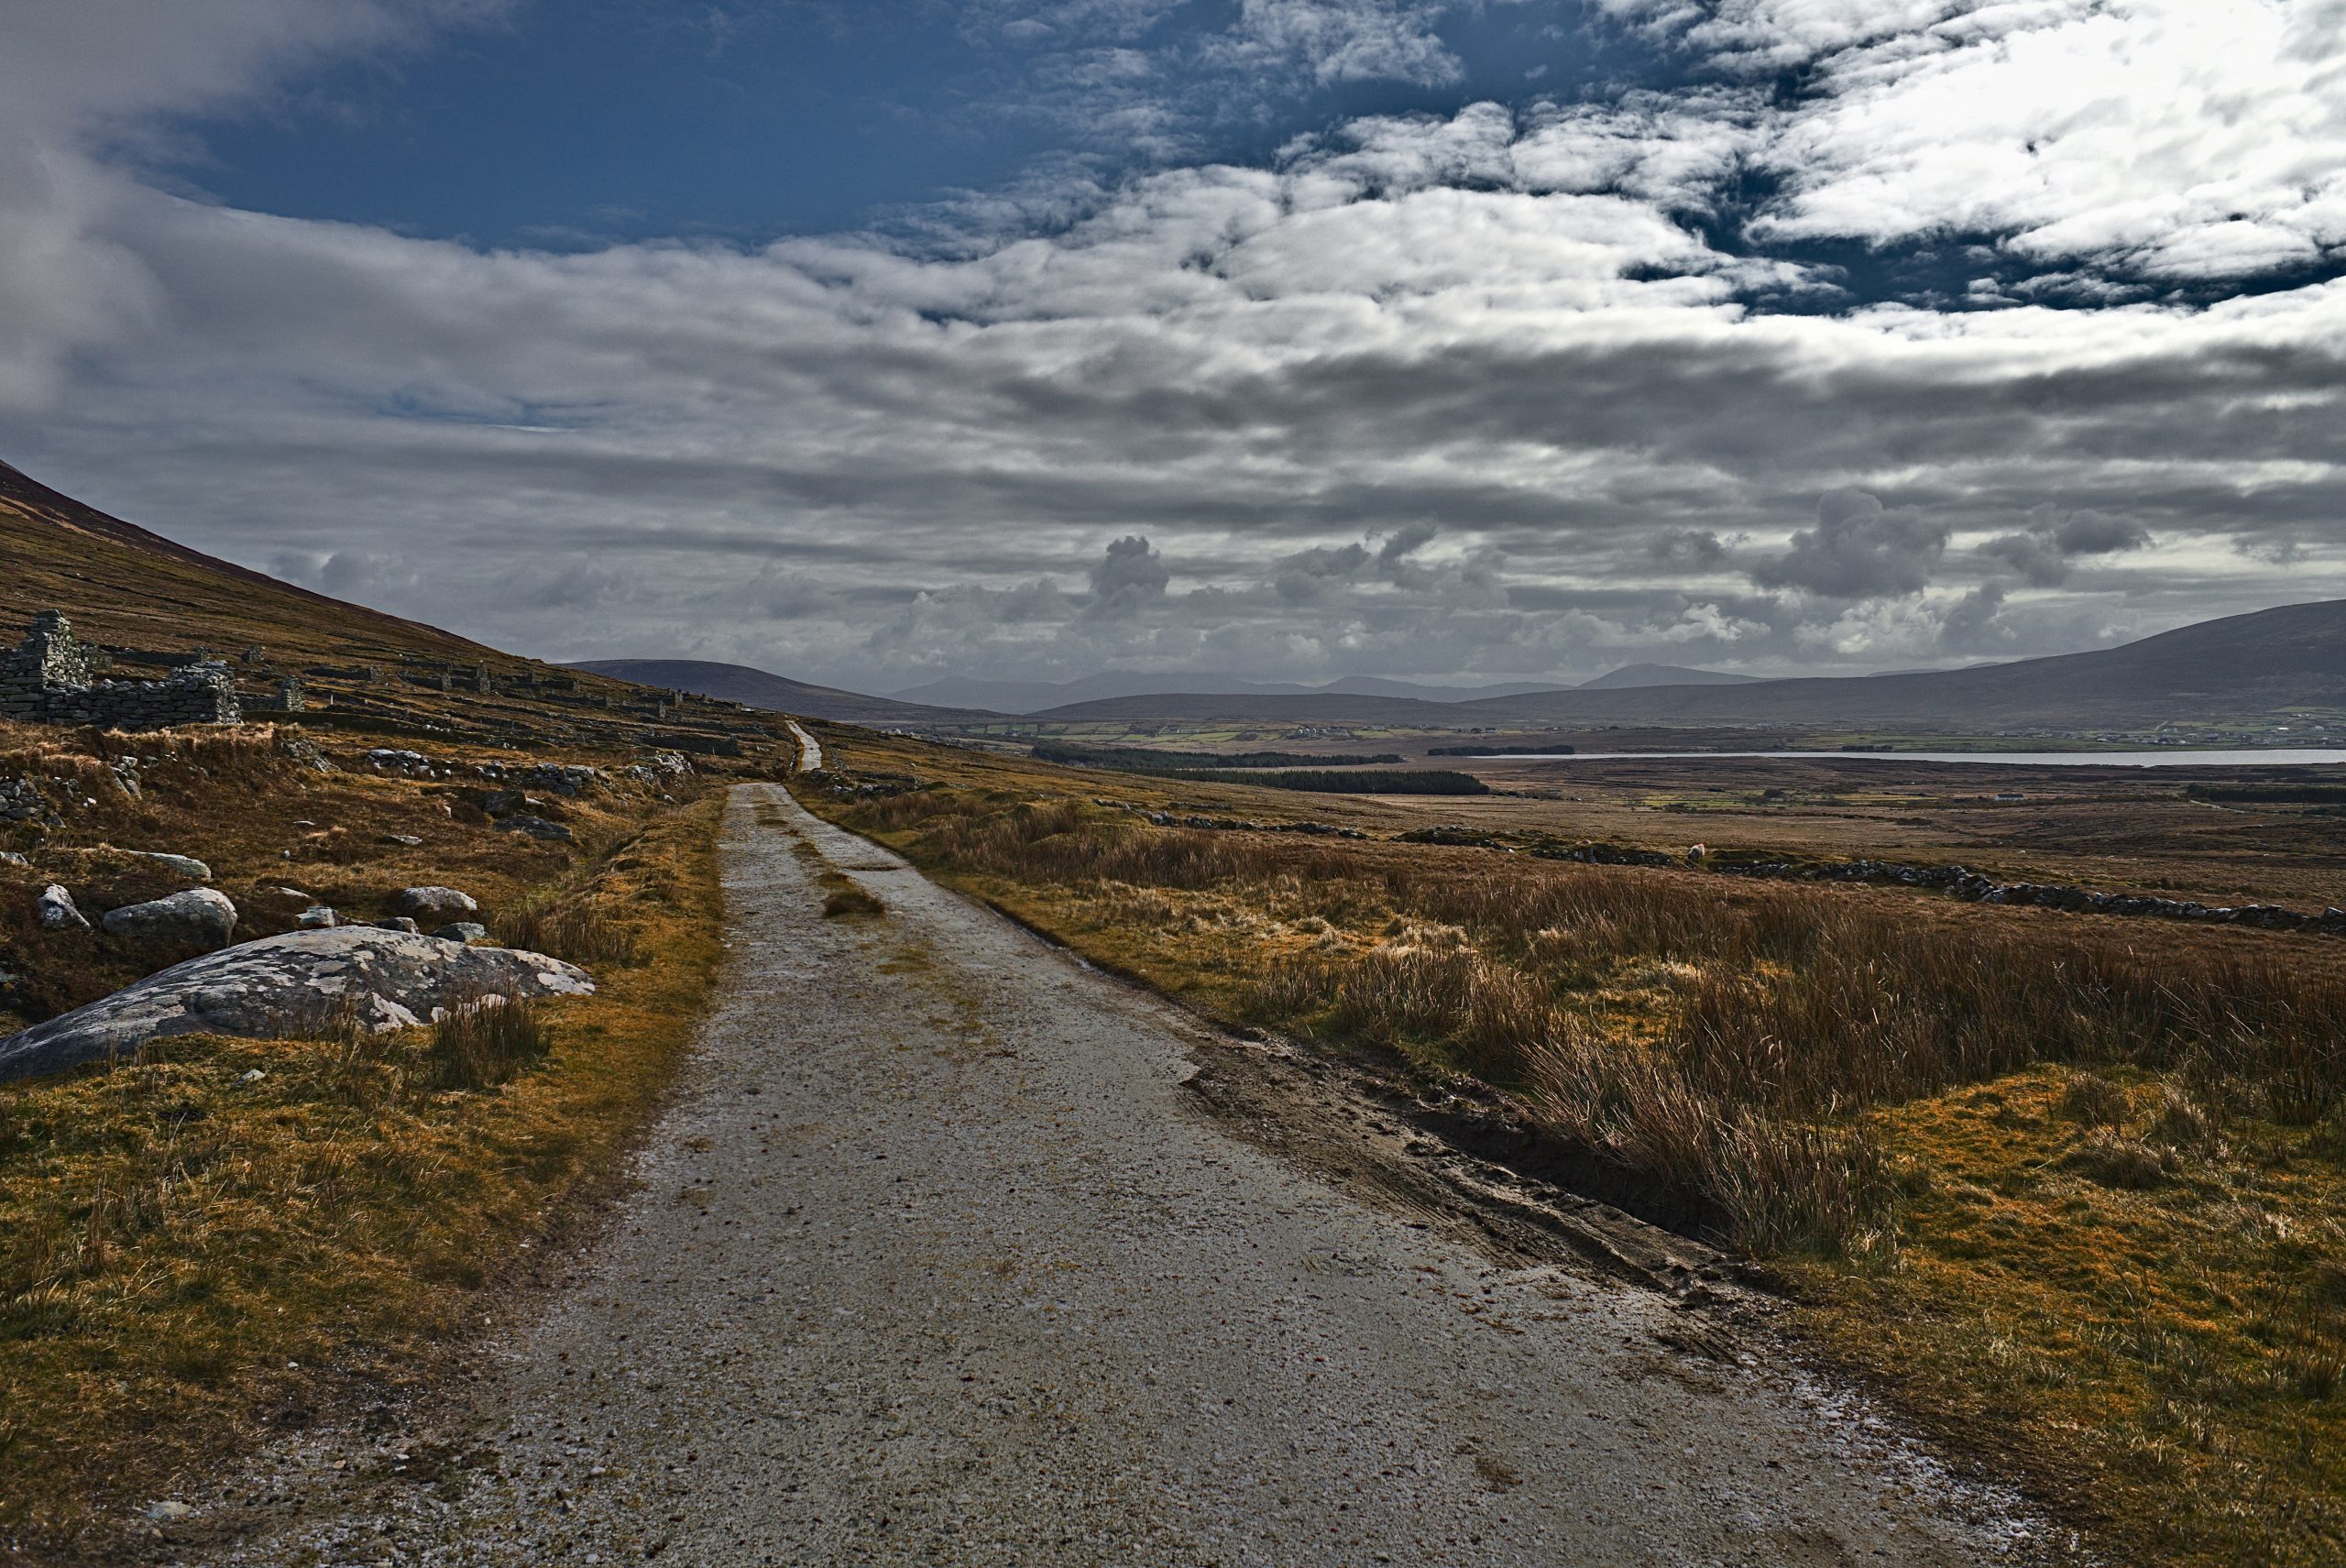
(1856, 551)
(2044, 554)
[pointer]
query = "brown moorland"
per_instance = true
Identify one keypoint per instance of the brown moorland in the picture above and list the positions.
(2067, 1186)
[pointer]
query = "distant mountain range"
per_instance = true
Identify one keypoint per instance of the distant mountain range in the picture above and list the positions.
(2243, 667)
(2240, 668)
(1033, 697)
(759, 688)
(1030, 696)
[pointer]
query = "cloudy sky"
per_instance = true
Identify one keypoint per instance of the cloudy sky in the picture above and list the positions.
(876, 340)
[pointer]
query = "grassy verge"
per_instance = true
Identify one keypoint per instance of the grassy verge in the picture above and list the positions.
(226, 1235)
(2073, 1191)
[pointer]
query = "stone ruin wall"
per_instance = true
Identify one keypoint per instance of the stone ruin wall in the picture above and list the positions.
(52, 678)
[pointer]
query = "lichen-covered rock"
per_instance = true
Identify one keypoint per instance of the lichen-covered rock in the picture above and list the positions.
(201, 914)
(436, 904)
(462, 931)
(57, 911)
(318, 917)
(288, 986)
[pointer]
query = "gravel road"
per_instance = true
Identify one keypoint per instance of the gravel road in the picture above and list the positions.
(934, 1260)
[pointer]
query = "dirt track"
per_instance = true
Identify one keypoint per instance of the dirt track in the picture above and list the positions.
(935, 1260)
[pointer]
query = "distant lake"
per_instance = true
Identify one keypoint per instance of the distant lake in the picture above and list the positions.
(2166, 757)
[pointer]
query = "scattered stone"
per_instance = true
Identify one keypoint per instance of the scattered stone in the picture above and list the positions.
(537, 827)
(10, 858)
(405, 840)
(562, 778)
(200, 915)
(413, 765)
(505, 802)
(166, 1511)
(21, 801)
(305, 752)
(462, 931)
(284, 986)
(253, 1075)
(659, 767)
(436, 903)
(400, 923)
(318, 917)
(57, 911)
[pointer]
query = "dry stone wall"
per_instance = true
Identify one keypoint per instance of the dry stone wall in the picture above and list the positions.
(52, 678)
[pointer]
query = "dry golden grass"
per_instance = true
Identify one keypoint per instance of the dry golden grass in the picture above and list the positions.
(2070, 1188)
(190, 1253)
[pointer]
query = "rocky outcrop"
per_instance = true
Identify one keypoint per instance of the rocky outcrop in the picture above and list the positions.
(200, 916)
(287, 987)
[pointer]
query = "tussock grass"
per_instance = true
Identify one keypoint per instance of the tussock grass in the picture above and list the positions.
(488, 1042)
(588, 933)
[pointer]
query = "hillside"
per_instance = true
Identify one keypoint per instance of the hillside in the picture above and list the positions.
(141, 594)
(124, 586)
(2237, 669)
(778, 694)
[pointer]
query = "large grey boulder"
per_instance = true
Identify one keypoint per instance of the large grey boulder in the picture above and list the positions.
(58, 912)
(437, 903)
(199, 915)
(302, 983)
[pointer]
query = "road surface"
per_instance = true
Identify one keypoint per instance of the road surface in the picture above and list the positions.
(934, 1260)
(810, 751)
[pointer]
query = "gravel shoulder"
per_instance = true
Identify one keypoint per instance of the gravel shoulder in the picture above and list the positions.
(942, 1255)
